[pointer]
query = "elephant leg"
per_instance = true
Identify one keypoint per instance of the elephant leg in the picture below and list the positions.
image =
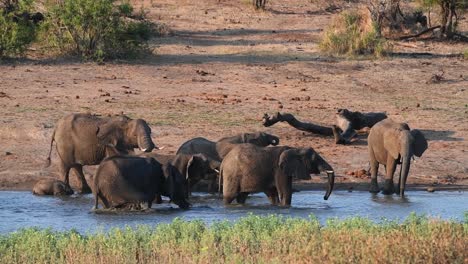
(84, 185)
(272, 195)
(374, 168)
(241, 197)
(227, 199)
(65, 171)
(104, 200)
(158, 199)
(389, 187)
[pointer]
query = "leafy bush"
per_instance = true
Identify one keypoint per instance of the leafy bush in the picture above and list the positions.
(17, 31)
(96, 29)
(352, 33)
(253, 239)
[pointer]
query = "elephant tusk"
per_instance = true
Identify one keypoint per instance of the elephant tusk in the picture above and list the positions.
(329, 171)
(217, 171)
(144, 150)
(273, 141)
(160, 148)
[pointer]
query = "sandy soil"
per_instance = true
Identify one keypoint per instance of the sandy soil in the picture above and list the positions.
(223, 67)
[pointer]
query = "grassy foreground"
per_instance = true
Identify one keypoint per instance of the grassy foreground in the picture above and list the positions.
(252, 239)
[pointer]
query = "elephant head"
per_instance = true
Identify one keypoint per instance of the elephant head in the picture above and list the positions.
(125, 133)
(301, 162)
(402, 144)
(175, 186)
(198, 166)
(261, 139)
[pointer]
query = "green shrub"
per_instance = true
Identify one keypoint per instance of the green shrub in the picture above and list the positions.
(96, 29)
(16, 31)
(352, 33)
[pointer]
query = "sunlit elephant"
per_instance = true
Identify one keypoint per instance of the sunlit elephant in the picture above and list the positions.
(392, 143)
(129, 181)
(81, 139)
(217, 150)
(194, 167)
(51, 187)
(249, 168)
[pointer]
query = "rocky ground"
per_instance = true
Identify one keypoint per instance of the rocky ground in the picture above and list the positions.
(224, 66)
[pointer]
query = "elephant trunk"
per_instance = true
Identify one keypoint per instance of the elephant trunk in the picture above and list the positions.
(331, 177)
(145, 143)
(405, 166)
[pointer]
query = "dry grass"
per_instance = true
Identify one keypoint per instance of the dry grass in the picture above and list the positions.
(353, 33)
(253, 239)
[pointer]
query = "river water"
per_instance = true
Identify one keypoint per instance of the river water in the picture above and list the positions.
(22, 209)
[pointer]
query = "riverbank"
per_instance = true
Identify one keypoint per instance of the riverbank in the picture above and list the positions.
(252, 239)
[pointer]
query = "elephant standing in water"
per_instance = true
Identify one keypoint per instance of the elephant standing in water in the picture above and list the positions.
(51, 187)
(392, 143)
(81, 139)
(217, 150)
(193, 167)
(128, 181)
(249, 168)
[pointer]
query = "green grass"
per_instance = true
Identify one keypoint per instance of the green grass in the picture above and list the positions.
(252, 239)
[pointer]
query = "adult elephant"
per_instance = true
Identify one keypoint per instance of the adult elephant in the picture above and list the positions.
(219, 149)
(193, 167)
(392, 143)
(81, 139)
(249, 168)
(128, 181)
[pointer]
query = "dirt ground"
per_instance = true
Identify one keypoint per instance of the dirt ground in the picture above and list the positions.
(221, 69)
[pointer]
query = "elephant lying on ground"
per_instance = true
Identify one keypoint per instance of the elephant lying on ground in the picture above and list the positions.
(392, 143)
(217, 150)
(193, 167)
(81, 139)
(344, 130)
(128, 181)
(249, 168)
(51, 187)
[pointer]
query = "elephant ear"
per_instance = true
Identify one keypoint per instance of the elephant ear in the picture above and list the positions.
(110, 133)
(391, 142)
(419, 143)
(291, 164)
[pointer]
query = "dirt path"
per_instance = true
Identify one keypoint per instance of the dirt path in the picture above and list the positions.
(224, 66)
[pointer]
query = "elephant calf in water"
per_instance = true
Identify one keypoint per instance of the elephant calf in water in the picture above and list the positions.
(128, 181)
(249, 168)
(218, 150)
(194, 167)
(51, 187)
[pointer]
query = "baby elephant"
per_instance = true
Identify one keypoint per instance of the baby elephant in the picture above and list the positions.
(51, 187)
(128, 181)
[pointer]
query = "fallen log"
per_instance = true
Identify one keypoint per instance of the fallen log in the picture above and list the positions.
(291, 120)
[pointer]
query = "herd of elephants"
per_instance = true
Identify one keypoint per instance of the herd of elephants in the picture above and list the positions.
(236, 165)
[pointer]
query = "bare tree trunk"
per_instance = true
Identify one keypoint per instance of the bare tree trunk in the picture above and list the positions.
(291, 120)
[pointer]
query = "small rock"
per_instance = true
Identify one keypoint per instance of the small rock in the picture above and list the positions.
(280, 106)
(418, 105)
(8, 153)
(107, 101)
(77, 97)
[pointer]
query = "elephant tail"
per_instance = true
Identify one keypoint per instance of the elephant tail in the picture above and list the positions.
(47, 164)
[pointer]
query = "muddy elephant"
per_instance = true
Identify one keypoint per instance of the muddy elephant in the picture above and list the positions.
(392, 143)
(249, 168)
(194, 167)
(81, 139)
(128, 181)
(51, 187)
(348, 122)
(217, 150)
